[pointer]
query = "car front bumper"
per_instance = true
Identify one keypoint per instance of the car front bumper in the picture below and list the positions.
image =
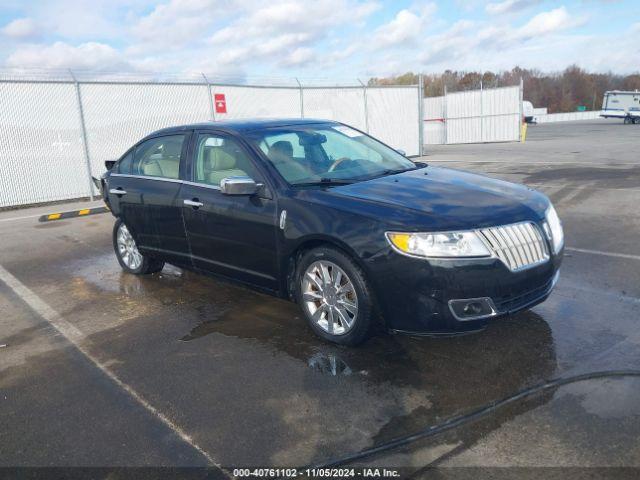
(417, 296)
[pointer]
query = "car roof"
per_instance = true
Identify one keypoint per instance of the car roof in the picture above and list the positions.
(244, 125)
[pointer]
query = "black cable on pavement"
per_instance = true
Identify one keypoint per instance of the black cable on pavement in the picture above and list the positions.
(458, 420)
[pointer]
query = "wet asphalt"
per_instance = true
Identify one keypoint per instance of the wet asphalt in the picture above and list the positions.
(246, 380)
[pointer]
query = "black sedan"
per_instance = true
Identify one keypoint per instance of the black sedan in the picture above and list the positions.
(327, 216)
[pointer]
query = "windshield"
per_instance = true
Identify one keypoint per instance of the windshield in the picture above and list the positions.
(309, 154)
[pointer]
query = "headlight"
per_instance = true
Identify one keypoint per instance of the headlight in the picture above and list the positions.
(553, 229)
(441, 244)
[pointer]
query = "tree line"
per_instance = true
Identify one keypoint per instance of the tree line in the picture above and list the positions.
(558, 91)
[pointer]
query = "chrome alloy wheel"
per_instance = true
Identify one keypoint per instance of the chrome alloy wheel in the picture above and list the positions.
(127, 248)
(329, 297)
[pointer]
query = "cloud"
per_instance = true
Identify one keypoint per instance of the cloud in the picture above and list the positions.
(549, 22)
(86, 56)
(496, 45)
(177, 22)
(319, 38)
(406, 27)
(20, 28)
(401, 29)
(509, 6)
(286, 31)
(300, 56)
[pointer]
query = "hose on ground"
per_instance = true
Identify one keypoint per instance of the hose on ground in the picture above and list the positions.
(459, 420)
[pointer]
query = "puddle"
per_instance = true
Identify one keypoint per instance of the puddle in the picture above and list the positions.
(329, 364)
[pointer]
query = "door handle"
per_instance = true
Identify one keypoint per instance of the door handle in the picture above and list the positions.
(193, 203)
(117, 191)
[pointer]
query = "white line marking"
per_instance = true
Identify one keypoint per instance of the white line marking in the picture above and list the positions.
(606, 254)
(20, 218)
(515, 162)
(580, 187)
(75, 336)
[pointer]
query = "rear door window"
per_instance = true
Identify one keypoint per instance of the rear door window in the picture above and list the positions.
(159, 157)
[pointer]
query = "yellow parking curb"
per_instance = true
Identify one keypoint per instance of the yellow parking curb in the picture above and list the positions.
(72, 214)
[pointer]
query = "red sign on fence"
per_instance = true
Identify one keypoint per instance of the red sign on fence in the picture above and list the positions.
(221, 103)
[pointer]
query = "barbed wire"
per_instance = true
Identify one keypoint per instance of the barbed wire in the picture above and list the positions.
(9, 74)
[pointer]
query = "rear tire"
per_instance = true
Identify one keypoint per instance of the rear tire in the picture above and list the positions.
(335, 297)
(129, 258)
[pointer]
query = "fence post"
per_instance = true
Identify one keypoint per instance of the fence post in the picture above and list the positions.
(210, 98)
(301, 98)
(481, 115)
(83, 132)
(520, 110)
(444, 115)
(366, 108)
(421, 114)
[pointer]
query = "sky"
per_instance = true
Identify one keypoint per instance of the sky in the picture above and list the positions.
(318, 39)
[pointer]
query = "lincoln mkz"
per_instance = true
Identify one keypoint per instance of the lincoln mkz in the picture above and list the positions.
(327, 216)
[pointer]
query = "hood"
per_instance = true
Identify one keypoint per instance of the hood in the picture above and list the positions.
(440, 199)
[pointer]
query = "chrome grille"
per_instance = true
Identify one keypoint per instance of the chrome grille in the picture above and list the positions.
(519, 246)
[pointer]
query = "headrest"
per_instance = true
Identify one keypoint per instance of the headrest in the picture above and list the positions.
(172, 149)
(218, 159)
(280, 148)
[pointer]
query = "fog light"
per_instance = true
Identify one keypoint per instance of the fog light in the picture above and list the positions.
(472, 308)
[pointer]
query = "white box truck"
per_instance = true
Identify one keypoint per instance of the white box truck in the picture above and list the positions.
(619, 104)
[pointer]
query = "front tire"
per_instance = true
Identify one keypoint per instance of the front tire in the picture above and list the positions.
(334, 296)
(129, 258)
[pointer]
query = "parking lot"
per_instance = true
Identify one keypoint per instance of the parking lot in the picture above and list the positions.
(101, 368)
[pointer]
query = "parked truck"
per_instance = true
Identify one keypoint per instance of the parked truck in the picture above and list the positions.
(619, 104)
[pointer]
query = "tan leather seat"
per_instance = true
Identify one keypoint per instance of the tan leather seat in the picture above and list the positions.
(281, 155)
(166, 162)
(220, 165)
(159, 166)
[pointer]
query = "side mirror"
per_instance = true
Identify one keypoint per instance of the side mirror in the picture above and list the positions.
(401, 152)
(240, 185)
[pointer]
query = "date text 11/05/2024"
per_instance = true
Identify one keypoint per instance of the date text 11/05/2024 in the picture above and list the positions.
(368, 472)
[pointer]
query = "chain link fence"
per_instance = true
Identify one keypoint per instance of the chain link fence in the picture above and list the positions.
(57, 129)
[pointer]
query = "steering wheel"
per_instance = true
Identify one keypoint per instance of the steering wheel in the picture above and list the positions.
(337, 163)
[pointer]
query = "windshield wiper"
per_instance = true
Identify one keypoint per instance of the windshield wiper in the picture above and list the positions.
(325, 181)
(392, 171)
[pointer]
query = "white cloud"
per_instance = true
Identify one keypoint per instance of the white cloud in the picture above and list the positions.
(407, 27)
(509, 6)
(318, 38)
(89, 56)
(177, 22)
(550, 22)
(286, 31)
(20, 28)
(404, 28)
(300, 56)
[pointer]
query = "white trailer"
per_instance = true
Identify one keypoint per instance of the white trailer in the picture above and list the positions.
(618, 104)
(527, 111)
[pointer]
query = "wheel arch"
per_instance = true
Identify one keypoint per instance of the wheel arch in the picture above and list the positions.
(309, 243)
